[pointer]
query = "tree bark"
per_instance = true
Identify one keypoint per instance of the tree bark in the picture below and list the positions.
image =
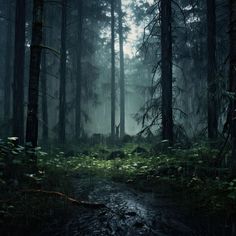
(8, 69)
(113, 90)
(44, 93)
(232, 78)
(35, 60)
(62, 95)
(166, 70)
(79, 71)
(211, 71)
(122, 73)
(19, 64)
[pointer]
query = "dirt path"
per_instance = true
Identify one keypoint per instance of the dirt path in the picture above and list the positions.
(130, 212)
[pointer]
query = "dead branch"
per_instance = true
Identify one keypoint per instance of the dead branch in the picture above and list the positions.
(67, 198)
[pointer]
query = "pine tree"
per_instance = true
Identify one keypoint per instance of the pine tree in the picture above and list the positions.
(19, 65)
(35, 60)
(166, 70)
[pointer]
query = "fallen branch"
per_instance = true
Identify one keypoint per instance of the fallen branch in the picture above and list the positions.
(62, 195)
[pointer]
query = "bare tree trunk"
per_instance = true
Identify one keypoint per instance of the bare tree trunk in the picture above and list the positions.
(166, 70)
(122, 73)
(211, 71)
(62, 104)
(79, 72)
(35, 60)
(19, 64)
(113, 89)
(232, 78)
(8, 69)
(44, 93)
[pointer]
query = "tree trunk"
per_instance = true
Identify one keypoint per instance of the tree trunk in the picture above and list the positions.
(8, 71)
(211, 71)
(166, 70)
(122, 73)
(113, 90)
(44, 93)
(35, 59)
(62, 104)
(19, 64)
(79, 72)
(233, 80)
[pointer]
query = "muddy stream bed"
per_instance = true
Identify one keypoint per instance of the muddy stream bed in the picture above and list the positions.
(131, 212)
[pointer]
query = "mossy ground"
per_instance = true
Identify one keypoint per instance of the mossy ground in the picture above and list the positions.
(191, 174)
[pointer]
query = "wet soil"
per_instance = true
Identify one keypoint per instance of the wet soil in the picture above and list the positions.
(130, 212)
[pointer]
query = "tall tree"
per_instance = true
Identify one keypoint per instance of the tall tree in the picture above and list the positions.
(232, 78)
(113, 89)
(62, 95)
(19, 64)
(44, 93)
(79, 71)
(8, 69)
(122, 73)
(166, 70)
(35, 60)
(211, 70)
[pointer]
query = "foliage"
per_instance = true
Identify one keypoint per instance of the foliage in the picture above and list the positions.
(193, 172)
(25, 212)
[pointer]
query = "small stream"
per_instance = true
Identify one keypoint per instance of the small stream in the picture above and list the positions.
(131, 212)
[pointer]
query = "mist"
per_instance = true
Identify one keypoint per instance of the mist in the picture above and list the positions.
(117, 117)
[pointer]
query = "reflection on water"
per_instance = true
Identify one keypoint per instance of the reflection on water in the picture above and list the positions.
(132, 213)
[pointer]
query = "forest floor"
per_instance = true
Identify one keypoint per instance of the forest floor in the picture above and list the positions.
(173, 192)
(132, 212)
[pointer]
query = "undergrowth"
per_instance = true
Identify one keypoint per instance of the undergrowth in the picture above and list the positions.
(22, 212)
(193, 173)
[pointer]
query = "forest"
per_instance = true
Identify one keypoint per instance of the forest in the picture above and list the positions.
(118, 117)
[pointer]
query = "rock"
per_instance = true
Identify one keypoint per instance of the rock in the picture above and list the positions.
(103, 151)
(139, 150)
(130, 181)
(116, 154)
(161, 147)
(127, 139)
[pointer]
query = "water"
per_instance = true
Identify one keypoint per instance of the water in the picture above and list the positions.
(131, 212)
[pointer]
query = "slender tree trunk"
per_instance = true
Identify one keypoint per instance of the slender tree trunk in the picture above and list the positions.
(79, 71)
(19, 64)
(35, 60)
(122, 73)
(62, 105)
(166, 70)
(8, 69)
(113, 90)
(44, 94)
(232, 78)
(211, 71)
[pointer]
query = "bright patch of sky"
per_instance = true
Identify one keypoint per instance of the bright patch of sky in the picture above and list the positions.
(192, 17)
(188, 8)
(136, 31)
